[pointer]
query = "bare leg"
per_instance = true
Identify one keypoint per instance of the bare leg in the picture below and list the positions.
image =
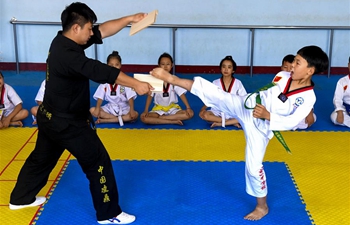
(172, 79)
(108, 120)
(127, 117)
(154, 118)
(260, 210)
(21, 115)
(180, 115)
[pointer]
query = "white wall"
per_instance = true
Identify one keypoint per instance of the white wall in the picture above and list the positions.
(194, 46)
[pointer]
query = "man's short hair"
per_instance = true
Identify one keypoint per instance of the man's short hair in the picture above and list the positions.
(77, 13)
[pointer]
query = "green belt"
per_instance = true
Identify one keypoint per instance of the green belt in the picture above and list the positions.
(277, 134)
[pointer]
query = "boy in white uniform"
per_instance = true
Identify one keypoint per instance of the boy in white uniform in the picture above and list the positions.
(282, 107)
(341, 101)
(38, 99)
(230, 84)
(11, 111)
(120, 106)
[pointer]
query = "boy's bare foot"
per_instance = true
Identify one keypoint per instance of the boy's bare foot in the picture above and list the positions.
(258, 213)
(161, 74)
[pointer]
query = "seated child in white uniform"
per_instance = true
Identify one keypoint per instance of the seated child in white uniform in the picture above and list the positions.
(230, 84)
(165, 109)
(120, 106)
(287, 66)
(38, 99)
(341, 101)
(282, 107)
(11, 111)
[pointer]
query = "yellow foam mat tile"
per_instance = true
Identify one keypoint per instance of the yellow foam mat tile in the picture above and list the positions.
(18, 217)
(16, 144)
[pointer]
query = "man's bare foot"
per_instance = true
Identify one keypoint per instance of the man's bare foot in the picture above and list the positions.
(258, 213)
(16, 124)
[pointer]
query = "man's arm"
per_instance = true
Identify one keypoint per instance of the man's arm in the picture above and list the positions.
(141, 88)
(112, 27)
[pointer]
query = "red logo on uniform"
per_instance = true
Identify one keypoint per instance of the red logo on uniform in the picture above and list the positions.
(262, 177)
(276, 79)
(345, 87)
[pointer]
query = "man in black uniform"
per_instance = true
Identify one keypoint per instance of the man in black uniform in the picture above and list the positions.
(64, 120)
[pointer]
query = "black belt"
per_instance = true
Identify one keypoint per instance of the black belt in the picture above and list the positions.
(46, 109)
(48, 112)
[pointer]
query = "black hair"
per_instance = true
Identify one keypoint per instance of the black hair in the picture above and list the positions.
(116, 55)
(315, 57)
(165, 55)
(2, 75)
(77, 13)
(349, 59)
(229, 58)
(288, 58)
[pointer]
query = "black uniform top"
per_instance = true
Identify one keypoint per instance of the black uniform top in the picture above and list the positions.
(67, 91)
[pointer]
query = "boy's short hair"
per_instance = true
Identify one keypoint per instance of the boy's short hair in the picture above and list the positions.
(2, 75)
(288, 58)
(315, 57)
(349, 59)
(77, 13)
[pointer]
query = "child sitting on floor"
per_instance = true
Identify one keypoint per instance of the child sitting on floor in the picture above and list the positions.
(38, 99)
(11, 111)
(341, 101)
(166, 110)
(230, 84)
(120, 106)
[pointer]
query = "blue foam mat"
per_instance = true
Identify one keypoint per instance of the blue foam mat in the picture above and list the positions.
(178, 192)
(27, 84)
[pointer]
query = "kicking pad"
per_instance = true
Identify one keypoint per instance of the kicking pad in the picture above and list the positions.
(145, 22)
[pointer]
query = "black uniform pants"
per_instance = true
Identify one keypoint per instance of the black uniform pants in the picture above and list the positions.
(54, 136)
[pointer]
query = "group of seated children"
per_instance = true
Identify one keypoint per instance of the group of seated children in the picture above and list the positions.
(119, 107)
